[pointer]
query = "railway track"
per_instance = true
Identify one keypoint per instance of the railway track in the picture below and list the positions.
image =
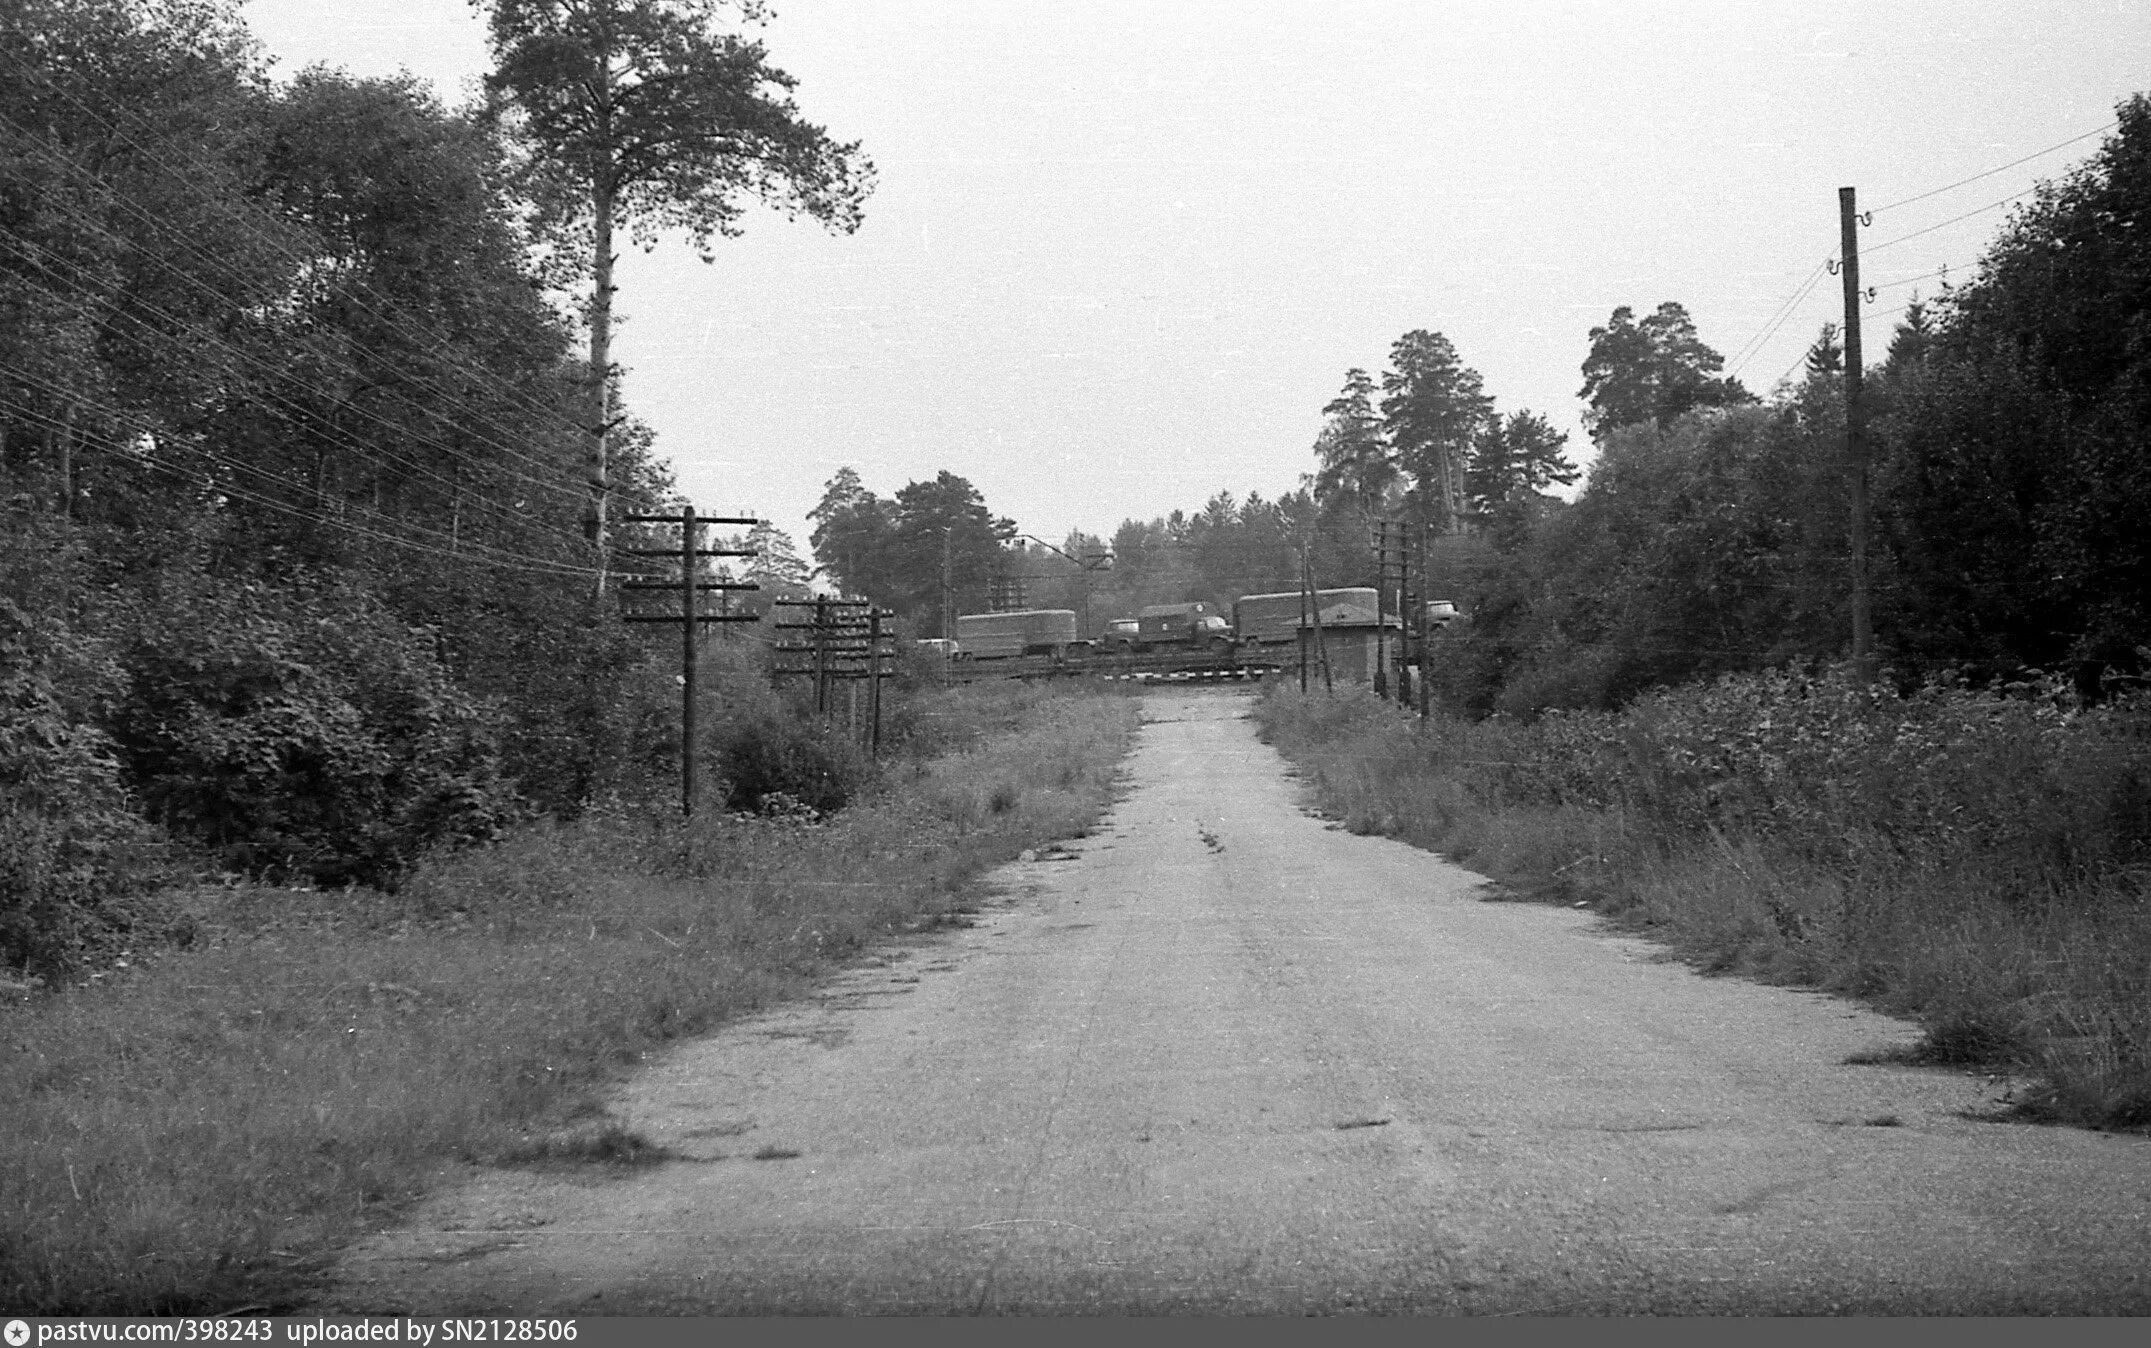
(1176, 666)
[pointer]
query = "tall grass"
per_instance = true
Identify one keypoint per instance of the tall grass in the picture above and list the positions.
(1978, 860)
(202, 1129)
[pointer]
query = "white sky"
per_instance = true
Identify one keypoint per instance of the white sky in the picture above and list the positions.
(1122, 253)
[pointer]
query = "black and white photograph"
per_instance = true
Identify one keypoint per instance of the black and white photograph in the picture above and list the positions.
(668, 661)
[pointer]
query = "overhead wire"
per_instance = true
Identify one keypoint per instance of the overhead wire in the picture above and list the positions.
(270, 240)
(207, 481)
(1911, 280)
(301, 414)
(378, 455)
(464, 554)
(510, 392)
(1964, 182)
(91, 224)
(267, 237)
(1980, 210)
(147, 430)
(1754, 345)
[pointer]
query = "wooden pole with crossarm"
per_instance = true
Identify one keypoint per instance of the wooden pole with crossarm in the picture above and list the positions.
(690, 617)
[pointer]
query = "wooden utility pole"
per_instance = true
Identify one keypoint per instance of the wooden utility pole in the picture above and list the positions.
(1314, 601)
(1381, 606)
(1863, 636)
(690, 617)
(873, 698)
(948, 583)
(1305, 627)
(1393, 563)
(821, 656)
(848, 639)
(1425, 589)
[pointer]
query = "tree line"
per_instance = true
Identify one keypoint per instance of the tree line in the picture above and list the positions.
(311, 453)
(2011, 473)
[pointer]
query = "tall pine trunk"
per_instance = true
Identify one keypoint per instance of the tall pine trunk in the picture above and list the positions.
(600, 382)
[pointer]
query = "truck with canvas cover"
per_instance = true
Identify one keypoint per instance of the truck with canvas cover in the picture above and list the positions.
(1274, 619)
(1191, 627)
(1000, 636)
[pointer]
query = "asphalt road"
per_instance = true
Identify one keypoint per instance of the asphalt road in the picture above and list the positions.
(1222, 1057)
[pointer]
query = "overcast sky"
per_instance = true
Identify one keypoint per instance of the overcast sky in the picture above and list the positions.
(1122, 253)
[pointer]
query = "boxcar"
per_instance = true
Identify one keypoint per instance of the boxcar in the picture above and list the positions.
(1000, 636)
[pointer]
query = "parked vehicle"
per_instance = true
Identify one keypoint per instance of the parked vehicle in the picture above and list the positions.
(1440, 612)
(1274, 619)
(1001, 636)
(1189, 627)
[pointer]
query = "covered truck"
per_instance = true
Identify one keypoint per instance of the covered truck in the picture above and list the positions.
(1190, 627)
(999, 636)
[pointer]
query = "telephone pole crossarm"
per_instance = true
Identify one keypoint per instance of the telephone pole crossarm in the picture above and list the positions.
(689, 617)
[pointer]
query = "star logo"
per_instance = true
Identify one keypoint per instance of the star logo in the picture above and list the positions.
(18, 1334)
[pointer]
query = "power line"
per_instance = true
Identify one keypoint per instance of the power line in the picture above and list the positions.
(268, 394)
(1754, 345)
(1961, 182)
(1982, 210)
(481, 553)
(206, 480)
(198, 281)
(1912, 280)
(269, 239)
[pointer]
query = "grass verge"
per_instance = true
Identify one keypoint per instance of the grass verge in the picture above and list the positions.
(205, 1128)
(1978, 862)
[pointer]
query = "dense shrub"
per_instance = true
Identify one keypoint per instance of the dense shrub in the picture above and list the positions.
(1817, 763)
(72, 850)
(304, 733)
(68, 840)
(773, 756)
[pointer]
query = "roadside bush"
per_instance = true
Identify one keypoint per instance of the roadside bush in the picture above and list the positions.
(304, 734)
(67, 837)
(773, 756)
(72, 850)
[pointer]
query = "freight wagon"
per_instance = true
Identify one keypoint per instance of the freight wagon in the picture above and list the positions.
(1001, 636)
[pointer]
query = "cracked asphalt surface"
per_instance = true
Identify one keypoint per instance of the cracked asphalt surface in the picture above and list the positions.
(1221, 1057)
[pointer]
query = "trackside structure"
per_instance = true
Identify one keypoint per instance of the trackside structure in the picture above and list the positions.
(1274, 619)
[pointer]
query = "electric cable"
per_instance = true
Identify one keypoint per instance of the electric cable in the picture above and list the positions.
(1961, 182)
(92, 226)
(269, 239)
